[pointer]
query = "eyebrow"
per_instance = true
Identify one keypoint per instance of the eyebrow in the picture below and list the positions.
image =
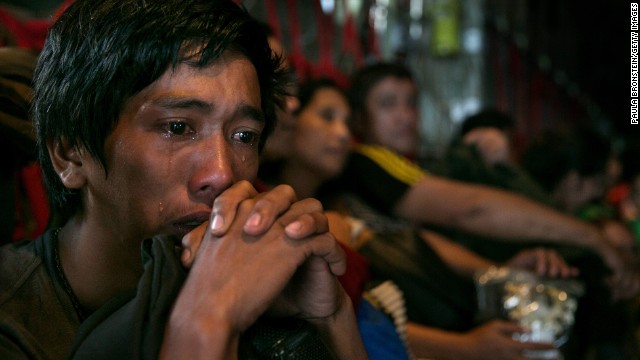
(252, 112)
(182, 103)
(203, 106)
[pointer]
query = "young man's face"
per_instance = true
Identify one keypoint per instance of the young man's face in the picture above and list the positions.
(391, 108)
(178, 144)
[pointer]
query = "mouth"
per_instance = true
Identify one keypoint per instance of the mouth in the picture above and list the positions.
(180, 230)
(338, 150)
(185, 225)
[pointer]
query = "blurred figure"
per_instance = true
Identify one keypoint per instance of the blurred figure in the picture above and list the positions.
(25, 211)
(382, 174)
(625, 195)
(571, 165)
(575, 167)
(278, 145)
(320, 149)
(321, 141)
(482, 153)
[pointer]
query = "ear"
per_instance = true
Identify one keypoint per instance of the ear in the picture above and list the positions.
(68, 163)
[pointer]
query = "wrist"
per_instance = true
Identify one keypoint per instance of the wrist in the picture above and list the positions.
(339, 332)
(592, 238)
(199, 337)
(201, 326)
(601, 246)
(343, 309)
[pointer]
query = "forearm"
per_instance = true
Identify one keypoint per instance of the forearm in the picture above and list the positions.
(340, 333)
(493, 213)
(203, 324)
(456, 256)
(199, 339)
(506, 215)
(512, 217)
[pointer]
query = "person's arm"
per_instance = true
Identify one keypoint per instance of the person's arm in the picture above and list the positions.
(240, 269)
(492, 340)
(492, 144)
(541, 261)
(340, 332)
(491, 212)
(210, 338)
(462, 260)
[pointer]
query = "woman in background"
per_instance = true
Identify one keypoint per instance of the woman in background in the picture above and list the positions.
(320, 147)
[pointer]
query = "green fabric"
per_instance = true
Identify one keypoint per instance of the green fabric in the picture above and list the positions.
(634, 226)
(595, 211)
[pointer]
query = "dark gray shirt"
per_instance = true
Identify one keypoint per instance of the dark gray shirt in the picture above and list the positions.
(37, 319)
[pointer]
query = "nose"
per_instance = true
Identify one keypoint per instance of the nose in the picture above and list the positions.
(409, 115)
(341, 131)
(213, 169)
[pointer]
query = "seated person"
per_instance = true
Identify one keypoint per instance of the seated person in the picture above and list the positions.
(572, 165)
(382, 175)
(481, 153)
(319, 150)
(624, 196)
(143, 141)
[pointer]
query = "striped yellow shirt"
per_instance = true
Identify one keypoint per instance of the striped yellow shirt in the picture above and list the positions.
(396, 165)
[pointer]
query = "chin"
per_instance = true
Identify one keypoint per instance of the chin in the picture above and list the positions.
(407, 150)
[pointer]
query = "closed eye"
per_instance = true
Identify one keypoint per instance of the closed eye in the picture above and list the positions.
(327, 115)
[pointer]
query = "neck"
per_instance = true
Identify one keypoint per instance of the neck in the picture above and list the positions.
(94, 264)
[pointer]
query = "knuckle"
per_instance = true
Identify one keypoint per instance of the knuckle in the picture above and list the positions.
(285, 190)
(244, 185)
(247, 204)
(313, 204)
(265, 204)
(219, 203)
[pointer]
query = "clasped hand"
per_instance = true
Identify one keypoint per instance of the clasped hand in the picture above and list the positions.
(263, 253)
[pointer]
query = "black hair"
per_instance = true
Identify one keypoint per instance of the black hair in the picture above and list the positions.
(488, 117)
(361, 83)
(99, 53)
(553, 153)
(309, 87)
(266, 28)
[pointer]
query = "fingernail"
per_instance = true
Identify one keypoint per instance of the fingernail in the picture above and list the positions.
(293, 227)
(186, 255)
(217, 223)
(254, 220)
